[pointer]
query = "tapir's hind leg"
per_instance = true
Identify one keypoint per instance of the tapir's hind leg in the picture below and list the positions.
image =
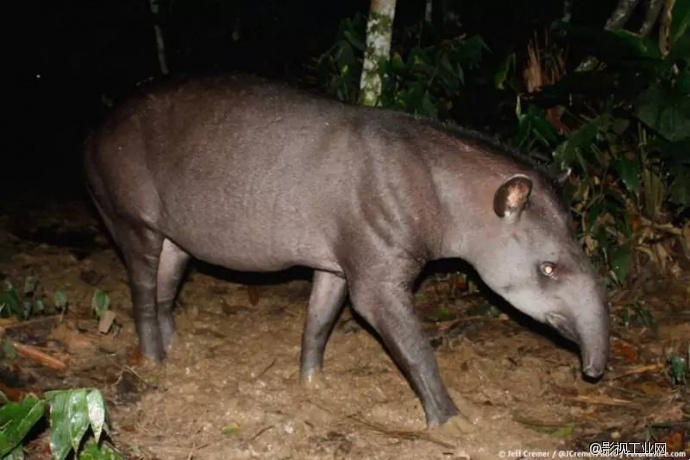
(171, 266)
(141, 250)
(327, 296)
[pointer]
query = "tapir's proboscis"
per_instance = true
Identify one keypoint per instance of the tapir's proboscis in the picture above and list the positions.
(255, 176)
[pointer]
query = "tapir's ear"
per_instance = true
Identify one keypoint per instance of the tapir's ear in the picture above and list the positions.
(511, 197)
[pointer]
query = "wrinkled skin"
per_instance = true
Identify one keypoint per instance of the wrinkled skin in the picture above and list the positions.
(255, 176)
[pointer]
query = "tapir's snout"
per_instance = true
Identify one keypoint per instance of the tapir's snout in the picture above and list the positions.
(589, 328)
(592, 329)
(594, 365)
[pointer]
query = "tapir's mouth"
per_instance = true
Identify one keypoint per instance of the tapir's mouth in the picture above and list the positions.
(594, 355)
(563, 325)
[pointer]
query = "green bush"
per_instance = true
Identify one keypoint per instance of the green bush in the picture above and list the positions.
(625, 133)
(424, 79)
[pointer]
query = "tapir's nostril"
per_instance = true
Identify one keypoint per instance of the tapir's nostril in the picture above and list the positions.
(593, 372)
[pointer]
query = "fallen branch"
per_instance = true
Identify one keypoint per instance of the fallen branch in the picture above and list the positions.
(41, 357)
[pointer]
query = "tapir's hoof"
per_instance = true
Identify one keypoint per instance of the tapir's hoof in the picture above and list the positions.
(313, 380)
(152, 355)
(454, 429)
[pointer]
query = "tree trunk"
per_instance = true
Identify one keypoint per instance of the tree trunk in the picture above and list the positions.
(379, 34)
(160, 42)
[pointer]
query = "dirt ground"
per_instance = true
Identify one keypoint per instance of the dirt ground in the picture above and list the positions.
(230, 388)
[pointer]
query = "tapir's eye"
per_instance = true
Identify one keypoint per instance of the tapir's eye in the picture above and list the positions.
(548, 269)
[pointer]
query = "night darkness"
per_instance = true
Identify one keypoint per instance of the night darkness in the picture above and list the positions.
(73, 56)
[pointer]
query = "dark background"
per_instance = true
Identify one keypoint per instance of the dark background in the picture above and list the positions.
(68, 61)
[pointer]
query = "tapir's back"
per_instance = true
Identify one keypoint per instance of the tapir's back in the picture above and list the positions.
(234, 165)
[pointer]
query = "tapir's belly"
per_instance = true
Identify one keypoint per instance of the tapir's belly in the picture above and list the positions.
(259, 239)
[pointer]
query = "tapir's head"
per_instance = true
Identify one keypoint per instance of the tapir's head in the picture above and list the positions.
(534, 262)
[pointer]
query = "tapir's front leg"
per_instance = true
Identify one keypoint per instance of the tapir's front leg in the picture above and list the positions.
(384, 300)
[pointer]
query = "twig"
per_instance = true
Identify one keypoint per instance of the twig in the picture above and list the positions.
(401, 434)
(259, 433)
(602, 400)
(266, 369)
(638, 370)
(41, 357)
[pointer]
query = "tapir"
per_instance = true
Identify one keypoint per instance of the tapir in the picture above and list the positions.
(255, 176)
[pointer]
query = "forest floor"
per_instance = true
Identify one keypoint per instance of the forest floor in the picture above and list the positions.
(230, 387)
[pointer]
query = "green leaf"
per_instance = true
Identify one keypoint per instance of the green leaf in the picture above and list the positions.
(533, 124)
(16, 420)
(584, 138)
(10, 302)
(78, 417)
(621, 261)
(679, 189)
(344, 57)
(71, 414)
(428, 107)
(679, 368)
(355, 40)
(680, 50)
(629, 172)
(232, 429)
(30, 284)
(593, 214)
(680, 19)
(100, 302)
(503, 70)
(68, 418)
(60, 299)
(665, 111)
(96, 410)
(635, 46)
(16, 454)
(94, 451)
(8, 349)
(396, 63)
(28, 309)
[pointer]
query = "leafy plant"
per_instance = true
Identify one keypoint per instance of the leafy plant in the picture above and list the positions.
(424, 79)
(338, 70)
(100, 303)
(679, 368)
(624, 130)
(637, 314)
(30, 301)
(73, 413)
(429, 79)
(16, 420)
